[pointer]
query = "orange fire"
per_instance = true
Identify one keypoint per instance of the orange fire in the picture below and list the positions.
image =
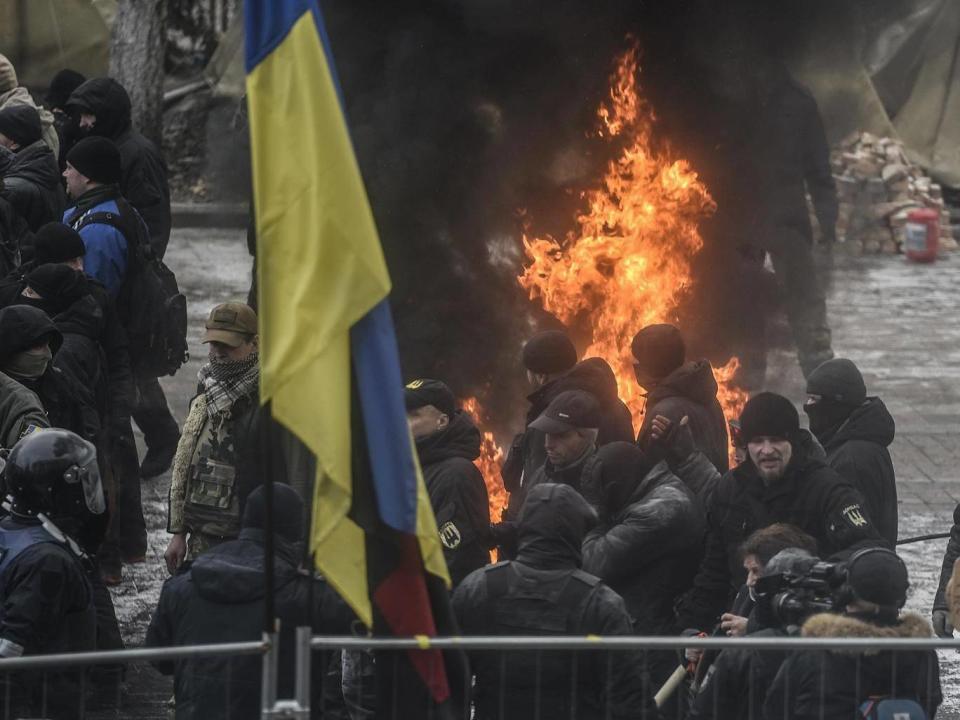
(627, 263)
(491, 455)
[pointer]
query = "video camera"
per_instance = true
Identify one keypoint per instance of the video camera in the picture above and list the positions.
(788, 599)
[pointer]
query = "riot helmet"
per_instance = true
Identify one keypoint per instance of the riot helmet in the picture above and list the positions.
(54, 472)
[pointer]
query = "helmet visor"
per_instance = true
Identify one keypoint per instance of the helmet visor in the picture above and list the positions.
(88, 476)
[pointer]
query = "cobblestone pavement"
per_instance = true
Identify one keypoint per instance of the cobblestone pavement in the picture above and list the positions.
(895, 320)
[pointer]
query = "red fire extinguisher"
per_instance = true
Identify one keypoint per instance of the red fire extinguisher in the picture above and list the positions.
(922, 235)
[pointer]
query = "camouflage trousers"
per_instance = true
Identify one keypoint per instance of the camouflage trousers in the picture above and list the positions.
(198, 543)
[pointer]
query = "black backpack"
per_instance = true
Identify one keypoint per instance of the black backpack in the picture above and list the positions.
(150, 304)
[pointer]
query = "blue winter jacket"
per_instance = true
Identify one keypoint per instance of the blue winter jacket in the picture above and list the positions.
(106, 258)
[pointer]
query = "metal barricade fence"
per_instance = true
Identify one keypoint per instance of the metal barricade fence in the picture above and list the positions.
(858, 658)
(63, 684)
(605, 656)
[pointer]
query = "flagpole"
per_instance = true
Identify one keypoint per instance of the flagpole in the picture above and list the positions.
(268, 529)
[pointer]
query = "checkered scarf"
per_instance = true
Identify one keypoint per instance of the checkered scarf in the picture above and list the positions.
(224, 383)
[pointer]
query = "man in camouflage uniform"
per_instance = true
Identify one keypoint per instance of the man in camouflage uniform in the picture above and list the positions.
(212, 474)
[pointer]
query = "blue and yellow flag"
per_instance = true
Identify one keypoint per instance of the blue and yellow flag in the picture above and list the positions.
(329, 363)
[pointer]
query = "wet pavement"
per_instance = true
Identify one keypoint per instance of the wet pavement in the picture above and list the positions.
(895, 320)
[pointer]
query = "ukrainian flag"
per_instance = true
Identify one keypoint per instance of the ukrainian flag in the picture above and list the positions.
(329, 364)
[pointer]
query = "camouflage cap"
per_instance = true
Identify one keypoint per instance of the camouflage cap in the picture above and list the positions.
(231, 324)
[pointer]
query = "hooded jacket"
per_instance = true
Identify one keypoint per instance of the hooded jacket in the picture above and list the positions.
(857, 450)
(832, 684)
(592, 375)
(649, 549)
(66, 405)
(458, 494)
(543, 592)
(31, 184)
(691, 390)
(810, 495)
(144, 174)
(220, 598)
(21, 96)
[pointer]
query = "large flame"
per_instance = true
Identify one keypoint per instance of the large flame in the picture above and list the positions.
(491, 456)
(627, 263)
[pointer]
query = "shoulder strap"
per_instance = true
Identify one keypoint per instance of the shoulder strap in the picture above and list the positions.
(577, 589)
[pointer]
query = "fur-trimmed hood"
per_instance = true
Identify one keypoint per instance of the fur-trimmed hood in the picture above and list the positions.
(829, 625)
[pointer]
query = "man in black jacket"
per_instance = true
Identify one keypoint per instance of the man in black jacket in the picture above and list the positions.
(30, 340)
(101, 106)
(31, 182)
(941, 612)
(855, 432)
(676, 388)
(551, 363)
(219, 598)
(780, 482)
(95, 358)
(649, 541)
(544, 592)
(447, 444)
(570, 428)
(828, 684)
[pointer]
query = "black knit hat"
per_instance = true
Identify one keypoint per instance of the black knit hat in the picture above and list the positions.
(838, 380)
(549, 352)
(420, 393)
(62, 85)
(97, 158)
(659, 349)
(21, 123)
(288, 511)
(57, 282)
(769, 415)
(879, 576)
(56, 243)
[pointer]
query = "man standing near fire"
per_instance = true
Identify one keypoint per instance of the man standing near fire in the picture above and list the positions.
(676, 388)
(447, 444)
(792, 159)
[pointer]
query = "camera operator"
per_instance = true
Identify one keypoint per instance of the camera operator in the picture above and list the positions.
(757, 551)
(738, 680)
(782, 481)
(826, 684)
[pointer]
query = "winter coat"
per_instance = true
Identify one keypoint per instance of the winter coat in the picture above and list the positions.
(649, 551)
(458, 494)
(832, 684)
(858, 452)
(20, 409)
(691, 390)
(144, 173)
(593, 375)
(48, 607)
(219, 598)
(95, 352)
(737, 682)
(210, 499)
(66, 405)
(811, 496)
(108, 250)
(543, 592)
(31, 184)
(21, 96)
(547, 472)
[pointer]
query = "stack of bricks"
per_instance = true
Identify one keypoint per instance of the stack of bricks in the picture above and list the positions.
(877, 187)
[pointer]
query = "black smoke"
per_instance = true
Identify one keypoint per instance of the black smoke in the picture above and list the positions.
(463, 112)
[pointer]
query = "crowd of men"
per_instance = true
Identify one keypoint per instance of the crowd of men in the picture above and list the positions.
(610, 530)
